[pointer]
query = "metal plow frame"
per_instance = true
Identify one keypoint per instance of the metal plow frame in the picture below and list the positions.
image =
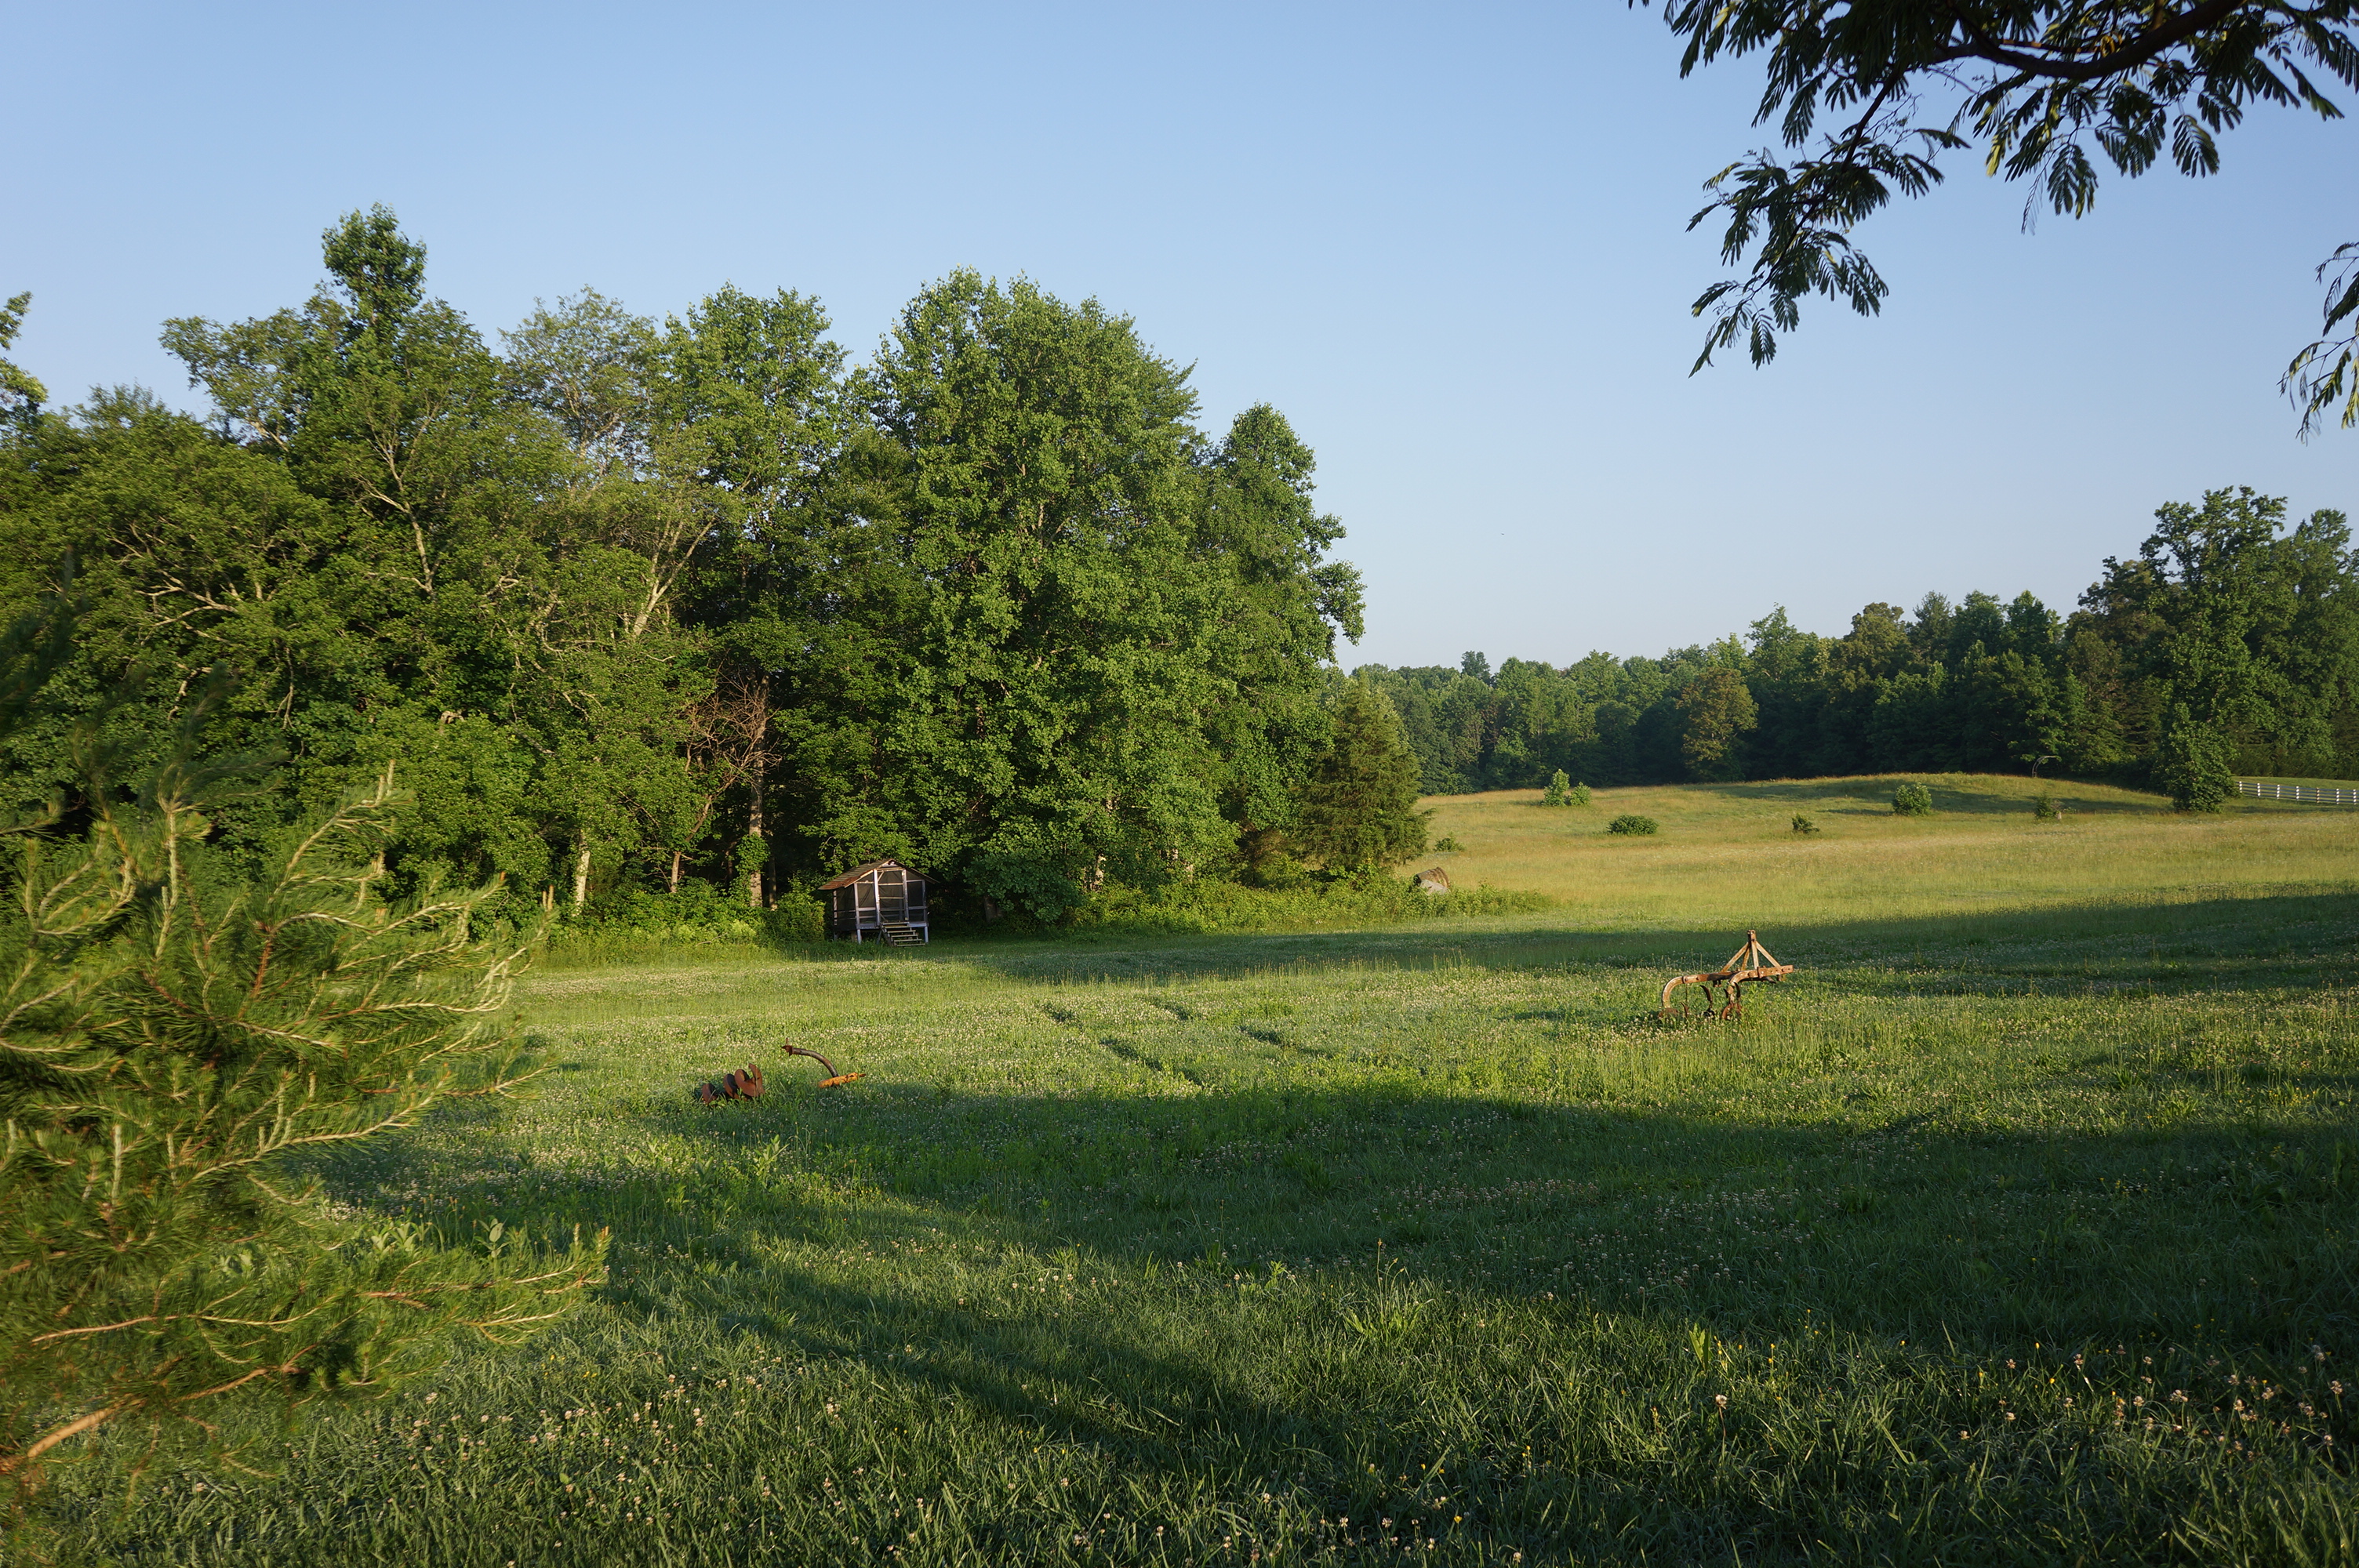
(746, 1083)
(1748, 964)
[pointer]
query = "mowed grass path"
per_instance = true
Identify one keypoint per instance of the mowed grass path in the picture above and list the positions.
(2022, 1226)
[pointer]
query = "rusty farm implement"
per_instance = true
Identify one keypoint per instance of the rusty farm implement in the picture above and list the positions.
(746, 1083)
(1747, 965)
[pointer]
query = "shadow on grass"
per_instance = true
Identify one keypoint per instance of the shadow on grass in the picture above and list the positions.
(1312, 1287)
(2236, 943)
(1913, 1225)
(1963, 794)
(1321, 1292)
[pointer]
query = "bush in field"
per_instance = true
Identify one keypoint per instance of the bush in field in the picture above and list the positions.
(1913, 800)
(178, 1023)
(1563, 791)
(1628, 823)
(1804, 826)
(2046, 809)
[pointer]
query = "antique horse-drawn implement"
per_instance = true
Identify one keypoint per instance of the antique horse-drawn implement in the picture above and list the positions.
(746, 1083)
(1748, 964)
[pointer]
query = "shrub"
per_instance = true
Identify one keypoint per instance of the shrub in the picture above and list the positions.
(1563, 791)
(1627, 823)
(1208, 906)
(699, 911)
(1804, 826)
(1277, 872)
(1913, 800)
(797, 917)
(627, 919)
(1447, 844)
(2046, 809)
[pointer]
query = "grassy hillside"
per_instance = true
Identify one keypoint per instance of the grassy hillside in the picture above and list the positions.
(2022, 1226)
(1727, 854)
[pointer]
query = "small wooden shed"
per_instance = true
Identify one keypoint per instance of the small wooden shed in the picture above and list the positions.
(882, 898)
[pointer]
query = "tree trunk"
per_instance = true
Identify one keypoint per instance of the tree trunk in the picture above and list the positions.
(581, 867)
(756, 877)
(676, 856)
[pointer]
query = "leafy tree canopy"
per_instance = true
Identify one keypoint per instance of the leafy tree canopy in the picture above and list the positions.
(20, 393)
(1873, 92)
(635, 604)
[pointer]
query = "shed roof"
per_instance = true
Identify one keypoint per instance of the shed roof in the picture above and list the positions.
(862, 869)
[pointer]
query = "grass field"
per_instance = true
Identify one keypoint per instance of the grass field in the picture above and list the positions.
(2023, 1226)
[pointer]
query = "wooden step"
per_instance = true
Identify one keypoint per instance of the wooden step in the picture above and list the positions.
(902, 936)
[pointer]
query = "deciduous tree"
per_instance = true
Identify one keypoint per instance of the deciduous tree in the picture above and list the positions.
(1716, 712)
(2035, 86)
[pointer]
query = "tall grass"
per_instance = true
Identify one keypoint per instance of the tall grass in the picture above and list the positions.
(2021, 1225)
(1727, 854)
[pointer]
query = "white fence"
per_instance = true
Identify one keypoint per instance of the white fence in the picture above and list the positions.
(2308, 794)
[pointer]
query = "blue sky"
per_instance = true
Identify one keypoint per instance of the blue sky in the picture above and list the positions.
(1449, 243)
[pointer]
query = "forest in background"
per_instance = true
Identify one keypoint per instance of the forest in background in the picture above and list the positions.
(2228, 644)
(637, 607)
(657, 620)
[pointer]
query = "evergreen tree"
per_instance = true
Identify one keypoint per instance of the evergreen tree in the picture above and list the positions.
(2192, 762)
(1359, 808)
(178, 1027)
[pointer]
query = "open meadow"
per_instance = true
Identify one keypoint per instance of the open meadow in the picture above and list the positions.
(2021, 1225)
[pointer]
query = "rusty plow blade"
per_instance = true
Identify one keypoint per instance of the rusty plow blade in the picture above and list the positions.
(745, 1083)
(833, 1079)
(1747, 964)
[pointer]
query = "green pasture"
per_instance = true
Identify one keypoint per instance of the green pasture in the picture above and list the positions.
(2022, 1226)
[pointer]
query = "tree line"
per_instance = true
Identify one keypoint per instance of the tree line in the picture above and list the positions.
(694, 606)
(2229, 642)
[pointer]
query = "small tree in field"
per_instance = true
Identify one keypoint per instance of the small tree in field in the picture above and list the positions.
(1913, 800)
(171, 1028)
(2192, 761)
(1359, 807)
(1563, 791)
